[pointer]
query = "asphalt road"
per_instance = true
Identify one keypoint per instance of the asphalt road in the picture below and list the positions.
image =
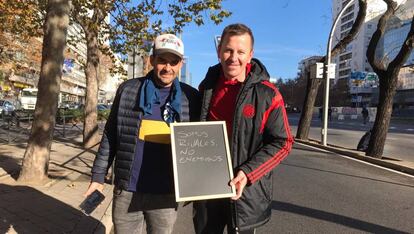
(396, 126)
(347, 133)
(322, 192)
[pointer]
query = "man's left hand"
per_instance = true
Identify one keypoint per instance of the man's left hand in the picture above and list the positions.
(239, 182)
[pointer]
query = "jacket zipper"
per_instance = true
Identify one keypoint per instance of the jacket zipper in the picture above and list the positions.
(233, 204)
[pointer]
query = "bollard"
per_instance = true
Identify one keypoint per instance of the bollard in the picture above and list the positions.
(64, 124)
(17, 121)
(8, 131)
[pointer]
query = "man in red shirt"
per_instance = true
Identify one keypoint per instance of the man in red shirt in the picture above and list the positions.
(238, 91)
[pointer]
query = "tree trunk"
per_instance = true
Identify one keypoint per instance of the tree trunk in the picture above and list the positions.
(90, 130)
(388, 76)
(313, 85)
(307, 109)
(388, 87)
(36, 158)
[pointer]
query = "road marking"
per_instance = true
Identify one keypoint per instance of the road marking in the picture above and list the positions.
(357, 160)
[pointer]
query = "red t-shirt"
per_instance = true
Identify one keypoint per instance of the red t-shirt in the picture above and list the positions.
(223, 102)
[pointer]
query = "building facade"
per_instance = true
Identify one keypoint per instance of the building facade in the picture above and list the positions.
(136, 65)
(21, 69)
(352, 62)
(353, 58)
(305, 64)
(185, 75)
(393, 39)
(19, 64)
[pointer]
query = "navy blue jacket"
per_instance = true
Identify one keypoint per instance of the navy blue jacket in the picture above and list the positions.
(121, 130)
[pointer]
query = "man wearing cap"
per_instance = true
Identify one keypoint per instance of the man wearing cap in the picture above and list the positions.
(136, 138)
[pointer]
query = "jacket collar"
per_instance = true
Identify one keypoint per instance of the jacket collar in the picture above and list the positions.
(258, 73)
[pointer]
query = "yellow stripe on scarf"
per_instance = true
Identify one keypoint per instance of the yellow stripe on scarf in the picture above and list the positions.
(154, 131)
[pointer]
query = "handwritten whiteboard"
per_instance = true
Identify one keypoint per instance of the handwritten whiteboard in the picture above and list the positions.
(201, 161)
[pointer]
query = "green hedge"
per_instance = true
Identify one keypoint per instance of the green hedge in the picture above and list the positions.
(103, 114)
(77, 115)
(71, 115)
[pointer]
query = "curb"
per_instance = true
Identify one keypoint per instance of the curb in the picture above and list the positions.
(384, 162)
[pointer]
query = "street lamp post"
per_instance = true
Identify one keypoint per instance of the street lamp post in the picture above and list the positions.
(324, 132)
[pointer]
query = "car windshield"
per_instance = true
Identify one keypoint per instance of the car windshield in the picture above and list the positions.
(29, 93)
(102, 107)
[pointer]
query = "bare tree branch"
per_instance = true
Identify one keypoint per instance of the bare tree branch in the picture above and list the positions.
(376, 37)
(406, 48)
(359, 21)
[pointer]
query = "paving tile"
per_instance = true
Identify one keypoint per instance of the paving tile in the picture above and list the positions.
(52, 208)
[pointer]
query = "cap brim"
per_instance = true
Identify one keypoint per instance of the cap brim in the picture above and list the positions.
(163, 51)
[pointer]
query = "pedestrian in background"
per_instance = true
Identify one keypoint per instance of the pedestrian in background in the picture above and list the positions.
(136, 138)
(238, 91)
(320, 113)
(330, 113)
(365, 115)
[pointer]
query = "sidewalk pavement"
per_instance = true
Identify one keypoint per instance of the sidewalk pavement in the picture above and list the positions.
(401, 165)
(51, 208)
(393, 157)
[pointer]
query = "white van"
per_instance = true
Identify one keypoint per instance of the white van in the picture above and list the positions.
(28, 98)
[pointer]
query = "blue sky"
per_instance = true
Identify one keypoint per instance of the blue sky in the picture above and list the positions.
(285, 31)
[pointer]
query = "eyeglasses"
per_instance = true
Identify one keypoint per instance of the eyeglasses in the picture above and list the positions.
(164, 61)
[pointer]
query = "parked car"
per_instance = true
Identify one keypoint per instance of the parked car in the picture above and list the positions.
(69, 105)
(101, 107)
(7, 107)
(292, 109)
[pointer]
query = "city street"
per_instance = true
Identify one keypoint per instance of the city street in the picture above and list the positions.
(314, 191)
(322, 192)
(347, 133)
(101, 100)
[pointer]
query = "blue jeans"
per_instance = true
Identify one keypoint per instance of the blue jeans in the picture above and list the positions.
(134, 212)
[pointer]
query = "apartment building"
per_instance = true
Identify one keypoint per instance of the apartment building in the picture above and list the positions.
(353, 58)
(352, 63)
(185, 75)
(73, 84)
(393, 39)
(305, 64)
(21, 68)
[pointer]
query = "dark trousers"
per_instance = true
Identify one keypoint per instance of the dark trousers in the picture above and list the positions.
(212, 216)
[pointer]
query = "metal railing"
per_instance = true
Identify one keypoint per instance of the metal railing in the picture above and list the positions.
(17, 126)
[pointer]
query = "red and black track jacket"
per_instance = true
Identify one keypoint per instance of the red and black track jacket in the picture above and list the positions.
(260, 139)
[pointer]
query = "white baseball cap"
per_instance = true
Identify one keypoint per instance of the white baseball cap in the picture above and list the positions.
(168, 43)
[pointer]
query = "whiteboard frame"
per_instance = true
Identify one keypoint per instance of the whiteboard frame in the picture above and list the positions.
(180, 198)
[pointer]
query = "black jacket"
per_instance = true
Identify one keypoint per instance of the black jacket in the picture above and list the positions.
(261, 139)
(121, 130)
